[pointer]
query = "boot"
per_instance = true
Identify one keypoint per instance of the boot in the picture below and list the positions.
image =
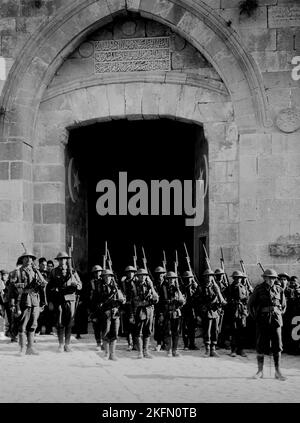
(213, 352)
(146, 342)
(130, 342)
(278, 374)
(242, 353)
(60, 335)
(30, 350)
(106, 350)
(260, 364)
(233, 352)
(175, 353)
(112, 350)
(207, 349)
(139, 344)
(168, 346)
(22, 344)
(68, 332)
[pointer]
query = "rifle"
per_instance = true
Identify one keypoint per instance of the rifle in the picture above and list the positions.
(260, 265)
(42, 283)
(109, 261)
(250, 288)
(207, 259)
(223, 267)
(104, 257)
(134, 257)
(189, 264)
(164, 262)
(70, 259)
(145, 263)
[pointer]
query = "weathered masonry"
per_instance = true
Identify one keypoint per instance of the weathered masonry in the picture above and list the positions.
(80, 78)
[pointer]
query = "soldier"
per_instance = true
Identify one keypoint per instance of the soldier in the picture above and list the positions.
(211, 302)
(143, 297)
(95, 287)
(42, 320)
(266, 306)
(126, 281)
(159, 281)
(64, 282)
(172, 301)
(189, 320)
(292, 294)
(238, 299)
(224, 320)
(24, 296)
(109, 299)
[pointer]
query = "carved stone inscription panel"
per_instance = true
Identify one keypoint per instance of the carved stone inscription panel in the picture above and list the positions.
(133, 54)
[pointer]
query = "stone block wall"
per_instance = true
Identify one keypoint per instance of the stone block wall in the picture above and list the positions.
(254, 194)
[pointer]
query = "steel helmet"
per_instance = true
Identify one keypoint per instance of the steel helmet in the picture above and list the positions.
(238, 274)
(284, 275)
(28, 254)
(96, 268)
(170, 275)
(208, 272)
(219, 271)
(160, 269)
(188, 274)
(130, 269)
(270, 273)
(61, 255)
(107, 272)
(142, 272)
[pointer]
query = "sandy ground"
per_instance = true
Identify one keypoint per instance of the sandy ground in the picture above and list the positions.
(83, 376)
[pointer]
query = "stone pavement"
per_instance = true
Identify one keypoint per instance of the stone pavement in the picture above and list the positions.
(83, 376)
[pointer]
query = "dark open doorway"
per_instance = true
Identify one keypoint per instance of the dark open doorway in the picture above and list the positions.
(146, 150)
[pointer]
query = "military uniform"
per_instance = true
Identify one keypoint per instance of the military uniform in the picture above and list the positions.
(211, 301)
(64, 283)
(224, 329)
(266, 305)
(238, 310)
(108, 299)
(128, 326)
(159, 282)
(94, 290)
(171, 301)
(142, 299)
(24, 297)
(190, 290)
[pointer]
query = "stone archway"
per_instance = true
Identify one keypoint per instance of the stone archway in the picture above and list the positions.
(54, 41)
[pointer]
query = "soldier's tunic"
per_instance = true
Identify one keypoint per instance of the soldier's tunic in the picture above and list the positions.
(189, 313)
(108, 299)
(63, 285)
(142, 300)
(266, 305)
(210, 306)
(95, 286)
(238, 312)
(24, 295)
(292, 294)
(171, 301)
(128, 325)
(43, 316)
(159, 315)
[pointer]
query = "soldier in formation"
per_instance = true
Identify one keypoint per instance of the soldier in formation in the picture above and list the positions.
(26, 285)
(171, 301)
(94, 288)
(238, 311)
(266, 305)
(159, 283)
(128, 326)
(190, 290)
(143, 297)
(64, 283)
(211, 302)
